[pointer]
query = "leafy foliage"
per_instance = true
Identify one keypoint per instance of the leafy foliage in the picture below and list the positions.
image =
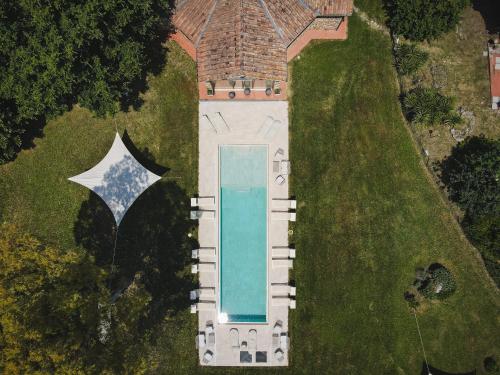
(56, 53)
(472, 176)
(409, 58)
(490, 365)
(429, 107)
(48, 305)
(438, 284)
(424, 19)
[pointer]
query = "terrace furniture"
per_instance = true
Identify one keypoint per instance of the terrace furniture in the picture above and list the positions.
(252, 339)
(261, 357)
(200, 340)
(220, 124)
(209, 327)
(202, 215)
(284, 341)
(273, 129)
(279, 154)
(285, 167)
(283, 252)
(208, 123)
(278, 327)
(202, 201)
(284, 204)
(245, 357)
(284, 301)
(211, 339)
(283, 290)
(276, 166)
(194, 268)
(282, 263)
(235, 338)
(202, 306)
(283, 215)
(278, 354)
(203, 253)
(280, 180)
(202, 294)
(208, 356)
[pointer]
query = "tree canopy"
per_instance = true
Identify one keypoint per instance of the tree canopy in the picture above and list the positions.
(48, 305)
(424, 19)
(56, 53)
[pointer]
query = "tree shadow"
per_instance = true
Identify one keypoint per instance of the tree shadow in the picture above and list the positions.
(435, 371)
(152, 240)
(490, 11)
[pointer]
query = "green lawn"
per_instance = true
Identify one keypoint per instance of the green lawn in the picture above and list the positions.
(367, 216)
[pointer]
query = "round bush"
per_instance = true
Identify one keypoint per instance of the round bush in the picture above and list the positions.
(440, 283)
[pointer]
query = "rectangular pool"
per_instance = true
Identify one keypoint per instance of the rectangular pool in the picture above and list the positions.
(243, 232)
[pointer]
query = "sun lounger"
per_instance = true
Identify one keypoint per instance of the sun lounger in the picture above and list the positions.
(194, 268)
(284, 301)
(282, 290)
(220, 123)
(202, 215)
(282, 263)
(202, 294)
(284, 204)
(208, 124)
(285, 167)
(252, 339)
(203, 202)
(283, 215)
(203, 253)
(279, 154)
(276, 166)
(202, 306)
(200, 340)
(280, 180)
(273, 129)
(284, 341)
(235, 338)
(283, 252)
(211, 339)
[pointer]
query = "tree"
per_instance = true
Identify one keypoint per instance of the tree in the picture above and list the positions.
(428, 106)
(48, 306)
(56, 53)
(424, 19)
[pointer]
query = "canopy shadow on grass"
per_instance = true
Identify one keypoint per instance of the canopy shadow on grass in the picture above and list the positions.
(152, 241)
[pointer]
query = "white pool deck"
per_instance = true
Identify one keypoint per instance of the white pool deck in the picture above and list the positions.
(244, 122)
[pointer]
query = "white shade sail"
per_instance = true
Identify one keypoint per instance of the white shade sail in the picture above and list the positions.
(118, 179)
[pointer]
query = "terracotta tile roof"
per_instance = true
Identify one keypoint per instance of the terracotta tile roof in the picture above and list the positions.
(247, 38)
(331, 7)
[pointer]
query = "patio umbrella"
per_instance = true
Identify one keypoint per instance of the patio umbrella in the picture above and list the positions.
(118, 179)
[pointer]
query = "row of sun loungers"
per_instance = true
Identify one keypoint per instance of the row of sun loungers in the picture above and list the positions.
(216, 123)
(210, 215)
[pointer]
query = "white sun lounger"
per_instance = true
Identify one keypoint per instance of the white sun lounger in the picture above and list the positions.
(252, 339)
(273, 129)
(202, 215)
(284, 204)
(283, 290)
(202, 306)
(203, 201)
(284, 301)
(283, 215)
(285, 167)
(202, 294)
(220, 123)
(203, 253)
(280, 180)
(208, 356)
(284, 341)
(200, 340)
(208, 124)
(282, 263)
(283, 252)
(235, 338)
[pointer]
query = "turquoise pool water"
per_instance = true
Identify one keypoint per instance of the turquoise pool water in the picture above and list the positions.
(243, 233)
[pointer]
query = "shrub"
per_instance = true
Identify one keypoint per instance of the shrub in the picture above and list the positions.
(409, 58)
(424, 19)
(440, 283)
(429, 107)
(490, 365)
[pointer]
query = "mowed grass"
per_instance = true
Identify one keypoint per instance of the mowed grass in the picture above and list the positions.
(34, 189)
(368, 216)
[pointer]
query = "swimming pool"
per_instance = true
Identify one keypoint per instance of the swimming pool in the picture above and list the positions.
(243, 232)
